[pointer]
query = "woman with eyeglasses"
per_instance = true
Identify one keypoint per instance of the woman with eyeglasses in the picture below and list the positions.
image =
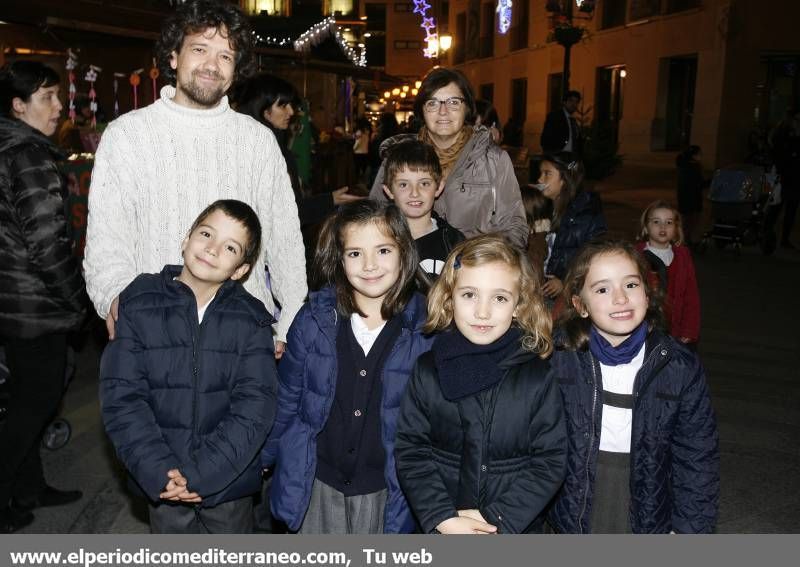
(481, 192)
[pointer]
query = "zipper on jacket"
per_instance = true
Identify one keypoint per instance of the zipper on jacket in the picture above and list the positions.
(197, 336)
(592, 431)
(636, 396)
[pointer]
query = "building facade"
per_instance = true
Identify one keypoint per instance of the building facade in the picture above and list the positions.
(660, 74)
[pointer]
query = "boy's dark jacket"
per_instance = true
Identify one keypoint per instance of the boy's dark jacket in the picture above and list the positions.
(308, 373)
(582, 221)
(41, 287)
(199, 398)
(674, 441)
(502, 451)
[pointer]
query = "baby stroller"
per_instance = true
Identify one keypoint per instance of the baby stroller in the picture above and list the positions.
(739, 196)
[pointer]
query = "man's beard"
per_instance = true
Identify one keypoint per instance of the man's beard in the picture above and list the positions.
(203, 97)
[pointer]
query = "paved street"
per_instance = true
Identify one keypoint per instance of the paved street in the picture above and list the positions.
(750, 347)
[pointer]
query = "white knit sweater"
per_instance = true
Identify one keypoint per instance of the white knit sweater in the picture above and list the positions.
(157, 168)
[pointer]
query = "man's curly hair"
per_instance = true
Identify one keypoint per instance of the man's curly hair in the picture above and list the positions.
(196, 16)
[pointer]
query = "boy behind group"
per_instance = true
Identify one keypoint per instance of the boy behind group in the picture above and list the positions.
(188, 386)
(413, 180)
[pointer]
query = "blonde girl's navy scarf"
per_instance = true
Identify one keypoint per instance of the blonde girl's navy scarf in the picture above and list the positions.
(621, 354)
(465, 368)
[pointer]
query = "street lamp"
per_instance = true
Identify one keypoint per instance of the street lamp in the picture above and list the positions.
(565, 33)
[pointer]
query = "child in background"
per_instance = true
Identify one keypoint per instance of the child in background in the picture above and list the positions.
(188, 385)
(662, 243)
(643, 445)
(350, 353)
(413, 180)
(481, 444)
(538, 212)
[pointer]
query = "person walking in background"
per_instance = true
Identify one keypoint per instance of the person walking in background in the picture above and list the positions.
(188, 386)
(42, 295)
(350, 354)
(643, 452)
(481, 193)
(482, 399)
(690, 191)
(159, 166)
(786, 148)
(577, 216)
(661, 242)
(361, 139)
(561, 132)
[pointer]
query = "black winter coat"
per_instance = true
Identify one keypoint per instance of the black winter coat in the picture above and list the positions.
(41, 287)
(197, 397)
(674, 441)
(501, 451)
(582, 221)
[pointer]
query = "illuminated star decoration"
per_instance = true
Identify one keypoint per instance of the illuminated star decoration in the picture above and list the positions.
(428, 24)
(503, 15)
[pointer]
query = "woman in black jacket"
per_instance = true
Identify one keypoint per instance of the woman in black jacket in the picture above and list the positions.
(481, 439)
(272, 101)
(42, 295)
(577, 215)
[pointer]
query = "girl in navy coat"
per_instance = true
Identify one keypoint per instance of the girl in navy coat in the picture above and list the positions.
(351, 351)
(481, 444)
(643, 446)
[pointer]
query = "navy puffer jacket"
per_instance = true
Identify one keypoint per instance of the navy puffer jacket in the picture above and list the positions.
(674, 441)
(41, 287)
(501, 451)
(308, 373)
(582, 221)
(196, 397)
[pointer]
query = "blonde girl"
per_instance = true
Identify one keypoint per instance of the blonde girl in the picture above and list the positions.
(661, 242)
(352, 349)
(480, 442)
(643, 445)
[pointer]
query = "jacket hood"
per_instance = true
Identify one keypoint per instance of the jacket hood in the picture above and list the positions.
(15, 133)
(323, 307)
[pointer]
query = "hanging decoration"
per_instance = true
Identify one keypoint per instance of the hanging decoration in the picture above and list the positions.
(431, 50)
(72, 63)
(91, 77)
(270, 40)
(153, 77)
(117, 77)
(317, 33)
(135, 79)
(504, 16)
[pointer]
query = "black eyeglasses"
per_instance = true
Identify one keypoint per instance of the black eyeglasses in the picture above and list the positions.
(452, 103)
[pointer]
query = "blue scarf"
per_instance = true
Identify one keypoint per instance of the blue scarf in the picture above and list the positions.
(622, 354)
(465, 368)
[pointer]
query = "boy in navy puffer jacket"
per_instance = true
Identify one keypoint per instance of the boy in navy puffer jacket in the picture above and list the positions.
(188, 386)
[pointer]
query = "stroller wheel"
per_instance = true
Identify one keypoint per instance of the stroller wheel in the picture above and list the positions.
(57, 434)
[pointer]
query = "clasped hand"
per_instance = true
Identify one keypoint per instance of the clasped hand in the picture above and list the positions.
(177, 489)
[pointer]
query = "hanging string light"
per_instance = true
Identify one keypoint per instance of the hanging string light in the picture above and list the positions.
(324, 29)
(91, 77)
(72, 62)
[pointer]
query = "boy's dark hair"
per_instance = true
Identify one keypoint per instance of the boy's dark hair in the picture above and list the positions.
(260, 92)
(571, 94)
(570, 167)
(243, 213)
(196, 16)
(576, 328)
(21, 79)
(438, 78)
(329, 256)
(413, 155)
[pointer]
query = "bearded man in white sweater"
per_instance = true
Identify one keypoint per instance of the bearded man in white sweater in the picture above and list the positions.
(157, 167)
